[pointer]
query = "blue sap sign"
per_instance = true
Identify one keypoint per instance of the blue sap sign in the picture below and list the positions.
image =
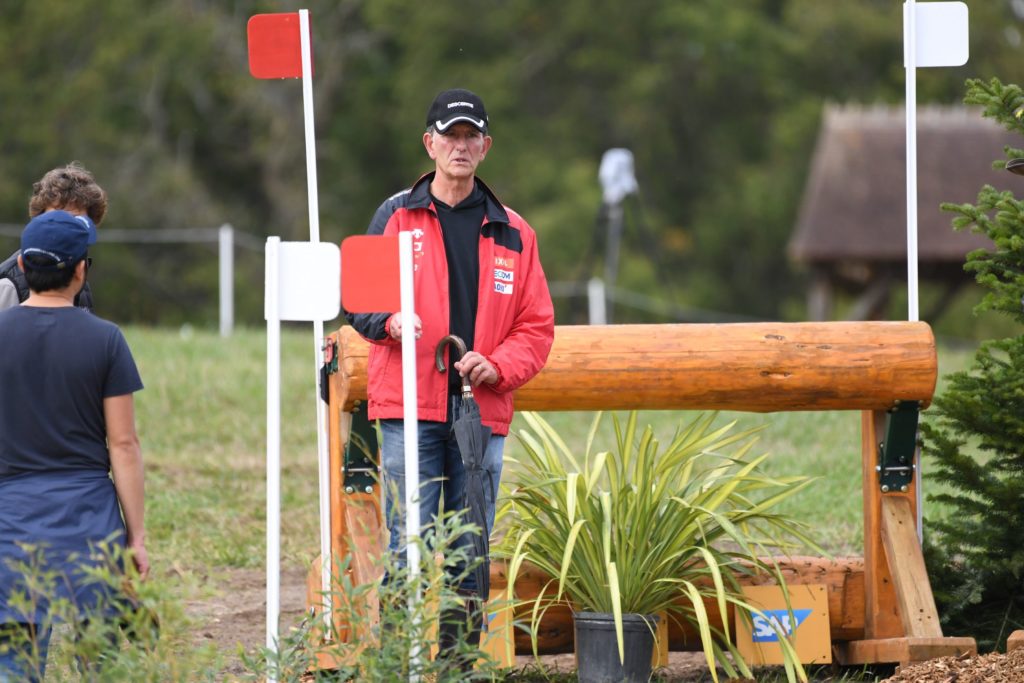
(767, 627)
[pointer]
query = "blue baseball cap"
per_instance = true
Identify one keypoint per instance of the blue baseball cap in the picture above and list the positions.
(59, 237)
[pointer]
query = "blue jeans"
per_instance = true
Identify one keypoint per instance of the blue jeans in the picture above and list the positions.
(16, 662)
(442, 476)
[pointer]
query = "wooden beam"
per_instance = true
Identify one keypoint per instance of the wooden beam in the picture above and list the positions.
(756, 367)
(902, 650)
(906, 564)
(881, 612)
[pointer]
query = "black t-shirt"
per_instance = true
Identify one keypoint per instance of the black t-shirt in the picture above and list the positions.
(56, 367)
(460, 226)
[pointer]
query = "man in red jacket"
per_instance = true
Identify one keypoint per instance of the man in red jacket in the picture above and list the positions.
(477, 276)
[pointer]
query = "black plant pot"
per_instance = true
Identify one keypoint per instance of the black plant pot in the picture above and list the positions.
(597, 650)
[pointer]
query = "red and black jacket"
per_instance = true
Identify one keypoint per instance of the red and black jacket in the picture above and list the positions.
(515, 321)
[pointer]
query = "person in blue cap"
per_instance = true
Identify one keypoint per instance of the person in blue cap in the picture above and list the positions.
(67, 422)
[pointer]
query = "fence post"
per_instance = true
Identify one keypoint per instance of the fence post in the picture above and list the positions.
(226, 257)
(596, 301)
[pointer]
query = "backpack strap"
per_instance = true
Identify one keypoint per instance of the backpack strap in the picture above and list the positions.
(9, 270)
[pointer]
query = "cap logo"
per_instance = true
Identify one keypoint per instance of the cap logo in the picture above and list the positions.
(461, 104)
(49, 254)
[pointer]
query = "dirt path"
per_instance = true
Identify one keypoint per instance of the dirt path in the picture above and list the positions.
(234, 621)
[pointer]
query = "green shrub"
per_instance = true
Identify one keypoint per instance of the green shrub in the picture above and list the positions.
(974, 432)
(134, 634)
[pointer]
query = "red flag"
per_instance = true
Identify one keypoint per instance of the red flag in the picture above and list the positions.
(370, 274)
(275, 46)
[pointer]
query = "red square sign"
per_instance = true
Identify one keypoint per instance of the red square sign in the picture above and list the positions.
(275, 46)
(370, 274)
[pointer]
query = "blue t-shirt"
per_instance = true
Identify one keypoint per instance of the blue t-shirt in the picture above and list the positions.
(56, 367)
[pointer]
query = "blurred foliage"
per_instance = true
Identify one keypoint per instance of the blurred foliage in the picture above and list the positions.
(718, 101)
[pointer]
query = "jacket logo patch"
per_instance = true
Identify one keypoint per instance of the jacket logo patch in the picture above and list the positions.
(417, 240)
(504, 262)
(503, 275)
(502, 288)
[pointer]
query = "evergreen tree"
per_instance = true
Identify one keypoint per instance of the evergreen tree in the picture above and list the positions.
(975, 431)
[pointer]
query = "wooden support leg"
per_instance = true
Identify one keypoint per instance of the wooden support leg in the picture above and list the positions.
(881, 615)
(901, 623)
(916, 605)
(356, 533)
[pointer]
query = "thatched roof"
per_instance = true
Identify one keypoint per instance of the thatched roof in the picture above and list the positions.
(854, 205)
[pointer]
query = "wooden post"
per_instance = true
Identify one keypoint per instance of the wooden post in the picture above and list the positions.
(754, 367)
(881, 616)
(901, 623)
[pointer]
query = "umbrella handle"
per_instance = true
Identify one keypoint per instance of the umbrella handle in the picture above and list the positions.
(460, 346)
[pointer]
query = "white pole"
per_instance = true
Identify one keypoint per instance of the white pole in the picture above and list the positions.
(410, 424)
(307, 110)
(226, 262)
(323, 455)
(910, 62)
(272, 315)
(596, 301)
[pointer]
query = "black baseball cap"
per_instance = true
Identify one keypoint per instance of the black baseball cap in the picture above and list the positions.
(452, 106)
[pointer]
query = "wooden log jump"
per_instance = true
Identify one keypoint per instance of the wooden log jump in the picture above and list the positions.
(881, 606)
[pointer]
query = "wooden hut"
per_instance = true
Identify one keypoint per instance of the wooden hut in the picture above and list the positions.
(851, 230)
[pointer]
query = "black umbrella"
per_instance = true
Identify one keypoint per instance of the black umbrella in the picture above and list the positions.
(472, 438)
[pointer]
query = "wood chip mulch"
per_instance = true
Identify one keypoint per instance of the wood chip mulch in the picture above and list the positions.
(990, 668)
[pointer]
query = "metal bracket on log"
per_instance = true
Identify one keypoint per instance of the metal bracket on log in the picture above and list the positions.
(896, 453)
(359, 466)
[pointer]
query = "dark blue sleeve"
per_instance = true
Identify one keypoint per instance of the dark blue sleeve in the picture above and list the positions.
(122, 374)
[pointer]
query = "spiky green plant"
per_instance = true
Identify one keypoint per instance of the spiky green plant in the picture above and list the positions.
(642, 529)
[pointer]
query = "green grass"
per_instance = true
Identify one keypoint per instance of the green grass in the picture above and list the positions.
(202, 421)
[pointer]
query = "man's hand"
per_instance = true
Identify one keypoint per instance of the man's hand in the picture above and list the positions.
(478, 369)
(395, 326)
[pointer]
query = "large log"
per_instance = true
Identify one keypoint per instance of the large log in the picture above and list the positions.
(757, 367)
(843, 579)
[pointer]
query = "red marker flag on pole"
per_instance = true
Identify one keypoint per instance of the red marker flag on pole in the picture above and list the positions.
(275, 46)
(370, 274)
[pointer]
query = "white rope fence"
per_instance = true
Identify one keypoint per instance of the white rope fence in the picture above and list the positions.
(225, 237)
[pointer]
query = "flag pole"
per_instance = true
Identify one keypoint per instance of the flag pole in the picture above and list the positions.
(411, 435)
(323, 456)
(273, 316)
(910, 62)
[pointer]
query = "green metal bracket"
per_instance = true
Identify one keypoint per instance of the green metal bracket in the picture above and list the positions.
(329, 367)
(897, 452)
(359, 465)
(331, 356)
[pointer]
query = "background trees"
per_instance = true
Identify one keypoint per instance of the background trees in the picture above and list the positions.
(718, 101)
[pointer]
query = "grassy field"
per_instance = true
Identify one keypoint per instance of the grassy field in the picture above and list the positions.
(202, 423)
